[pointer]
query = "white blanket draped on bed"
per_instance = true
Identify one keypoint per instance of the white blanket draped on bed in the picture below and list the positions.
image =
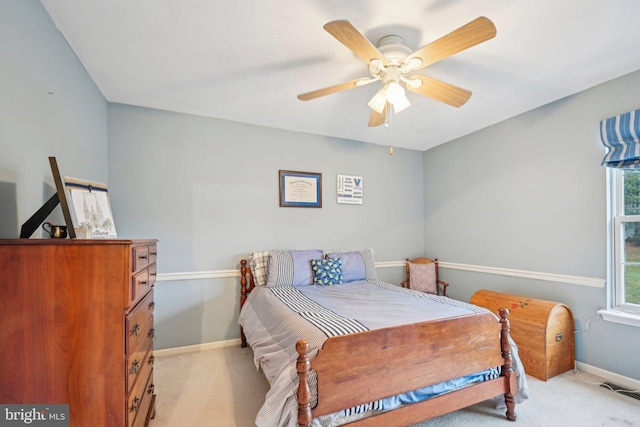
(315, 313)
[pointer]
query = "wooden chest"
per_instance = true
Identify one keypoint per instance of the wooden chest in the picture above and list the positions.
(542, 330)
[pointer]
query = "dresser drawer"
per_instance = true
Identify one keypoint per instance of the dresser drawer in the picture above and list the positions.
(140, 355)
(139, 397)
(153, 254)
(147, 406)
(140, 257)
(140, 285)
(152, 275)
(137, 319)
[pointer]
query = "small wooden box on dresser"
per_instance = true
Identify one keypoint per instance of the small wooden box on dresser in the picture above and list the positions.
(76, 327)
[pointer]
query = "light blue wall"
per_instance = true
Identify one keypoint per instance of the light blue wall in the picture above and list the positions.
(208, 190)
(526, 194)
(49, 106)
(529, 194)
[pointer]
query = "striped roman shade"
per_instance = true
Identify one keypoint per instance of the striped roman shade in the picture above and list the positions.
(621, 136)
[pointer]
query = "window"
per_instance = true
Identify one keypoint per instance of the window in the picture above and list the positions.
(624, 197)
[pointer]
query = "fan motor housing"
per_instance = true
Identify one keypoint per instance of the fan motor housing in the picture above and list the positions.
(394, 49)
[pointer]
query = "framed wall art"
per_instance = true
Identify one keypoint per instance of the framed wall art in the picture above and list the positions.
(300, 189)
(349, 189)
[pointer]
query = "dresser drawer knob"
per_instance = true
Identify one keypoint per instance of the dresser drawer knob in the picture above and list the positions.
(143, 257)
(152, 359)
(135, 330)
(152, 332)
(143, 283)
(154, 253)
(151, 305)
(135, 405)
(135, 367)
(151, 388)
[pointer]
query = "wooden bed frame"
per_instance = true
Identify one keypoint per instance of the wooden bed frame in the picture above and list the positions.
(363, 367)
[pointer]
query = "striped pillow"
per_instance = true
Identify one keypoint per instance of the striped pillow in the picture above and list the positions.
(291, 267)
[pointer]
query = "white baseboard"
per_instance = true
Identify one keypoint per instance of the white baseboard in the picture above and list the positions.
(196, 347)
(629, 383)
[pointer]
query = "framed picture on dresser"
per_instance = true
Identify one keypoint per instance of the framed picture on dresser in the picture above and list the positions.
(90, 209)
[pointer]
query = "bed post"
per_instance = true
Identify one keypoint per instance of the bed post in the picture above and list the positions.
(507, 368)
(303, 367)
(244, 290)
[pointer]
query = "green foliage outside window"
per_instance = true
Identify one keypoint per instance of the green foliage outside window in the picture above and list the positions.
(632, 237)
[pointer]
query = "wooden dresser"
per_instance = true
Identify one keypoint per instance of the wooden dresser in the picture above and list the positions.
(542, 330)
(76, 327)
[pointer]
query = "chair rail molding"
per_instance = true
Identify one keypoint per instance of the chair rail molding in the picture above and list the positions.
(536, 275)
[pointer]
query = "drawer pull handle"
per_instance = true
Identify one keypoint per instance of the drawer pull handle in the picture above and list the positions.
(151, 388)
(143, 257)
(136, 404)
(135, 330)
(135, 367)
(154, 253)
(143, 283)
(152, 332)
(152, 359)
(151, 305)
(153, 274)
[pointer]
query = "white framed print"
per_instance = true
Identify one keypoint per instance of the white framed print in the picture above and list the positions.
(349, 189)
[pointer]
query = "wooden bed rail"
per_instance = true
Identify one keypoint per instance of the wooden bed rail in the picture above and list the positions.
(358, 368)
(246, 286)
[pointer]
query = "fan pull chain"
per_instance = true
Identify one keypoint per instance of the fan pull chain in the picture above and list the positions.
(389, 124)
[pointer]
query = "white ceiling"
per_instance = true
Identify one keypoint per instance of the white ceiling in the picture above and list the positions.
(246, 60)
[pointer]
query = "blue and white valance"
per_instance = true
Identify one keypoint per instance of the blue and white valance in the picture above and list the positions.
(621, 135)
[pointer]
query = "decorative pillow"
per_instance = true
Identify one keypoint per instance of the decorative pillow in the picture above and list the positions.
(258, 266)
(327, 271)
(356, 265)
(422, 277)
(291, 267)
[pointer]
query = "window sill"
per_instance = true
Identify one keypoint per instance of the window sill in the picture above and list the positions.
(617, 316)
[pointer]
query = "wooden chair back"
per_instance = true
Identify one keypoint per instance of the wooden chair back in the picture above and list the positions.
(440, 286)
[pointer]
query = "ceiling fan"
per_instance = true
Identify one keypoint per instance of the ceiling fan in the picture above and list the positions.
(392, 62)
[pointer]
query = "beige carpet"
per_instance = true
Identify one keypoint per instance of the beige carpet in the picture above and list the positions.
(221, 388)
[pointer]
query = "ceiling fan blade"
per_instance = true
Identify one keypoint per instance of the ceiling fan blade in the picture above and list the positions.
(378, 119)
(440, 91)
(334, 89)
(349, 36)
(475, 32)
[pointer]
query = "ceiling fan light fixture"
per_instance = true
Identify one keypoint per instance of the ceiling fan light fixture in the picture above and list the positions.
(400, 104)
(378, 101)
(395, 92)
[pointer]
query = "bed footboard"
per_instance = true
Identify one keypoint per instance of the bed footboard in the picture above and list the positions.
(364, 367)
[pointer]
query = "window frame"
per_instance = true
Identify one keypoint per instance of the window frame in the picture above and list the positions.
(617, 309)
